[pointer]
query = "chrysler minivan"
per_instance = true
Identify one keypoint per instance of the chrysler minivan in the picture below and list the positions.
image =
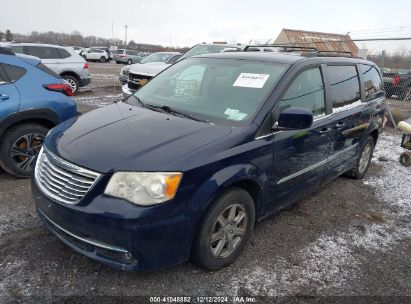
(184, 168)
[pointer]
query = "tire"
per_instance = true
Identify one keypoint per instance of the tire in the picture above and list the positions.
(129, 61)
(103, 59)
(405, 159)
(73, 81)
(364, 160)
(15, 140)
(118, 62)
(215, 255)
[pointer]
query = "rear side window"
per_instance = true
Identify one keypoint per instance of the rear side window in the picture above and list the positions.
(63, 53)
(119, 52)
(372, 82)
(14, 72)
(306, 91)
(43, 52)
(17, 49)
(345, 86)
(47, 70)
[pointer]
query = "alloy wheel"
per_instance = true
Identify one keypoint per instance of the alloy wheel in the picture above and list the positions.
(228, 230)
(25, 150)
(365, 157)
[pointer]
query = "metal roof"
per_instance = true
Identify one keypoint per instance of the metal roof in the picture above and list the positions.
(320, 40)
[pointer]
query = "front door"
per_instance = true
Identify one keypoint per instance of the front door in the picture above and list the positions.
(300, 156)
(9, 96)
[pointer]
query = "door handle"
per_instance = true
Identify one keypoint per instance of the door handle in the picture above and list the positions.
(4, 97)
(339, 125)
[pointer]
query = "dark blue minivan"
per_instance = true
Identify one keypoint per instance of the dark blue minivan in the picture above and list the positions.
(185, 167)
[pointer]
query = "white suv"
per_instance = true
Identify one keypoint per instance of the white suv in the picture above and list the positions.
(64, 61)
(97, 55)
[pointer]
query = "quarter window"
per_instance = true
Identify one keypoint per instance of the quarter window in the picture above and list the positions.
(306, 91)
(372, 82)
(345, 86)
(14, 72)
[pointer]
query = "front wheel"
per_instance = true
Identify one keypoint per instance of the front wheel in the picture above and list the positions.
(102, 59)
(225, 230)
(19, 148)
(361, 168)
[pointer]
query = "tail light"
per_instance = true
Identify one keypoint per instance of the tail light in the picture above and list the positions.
(64, 88)
(86, 65)
(396, 80)
(122, 56)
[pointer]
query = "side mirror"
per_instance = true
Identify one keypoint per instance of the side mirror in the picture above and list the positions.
(295, 119)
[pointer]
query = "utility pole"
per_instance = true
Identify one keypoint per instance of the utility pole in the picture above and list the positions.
(125, 37)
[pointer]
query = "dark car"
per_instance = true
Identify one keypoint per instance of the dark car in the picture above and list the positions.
(186, 166)
(33, 99)
(397, 84)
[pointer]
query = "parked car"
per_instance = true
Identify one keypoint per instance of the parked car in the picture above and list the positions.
(105, 48)
(208, 147)
(127, 56)
(398, 84)
(148, 69)
(97, 55)
(142, 74)
(33, 99)
(64, 61)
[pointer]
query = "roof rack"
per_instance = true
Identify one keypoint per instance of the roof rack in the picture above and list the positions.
(6, 51)
(285, 48)
(330, 54)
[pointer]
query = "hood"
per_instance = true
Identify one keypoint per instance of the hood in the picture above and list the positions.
(123, 137)
(149, 69)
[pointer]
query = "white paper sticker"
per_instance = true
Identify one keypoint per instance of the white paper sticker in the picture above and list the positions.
(234, 114)
(237, 116)
(249, 80)
(229, 111)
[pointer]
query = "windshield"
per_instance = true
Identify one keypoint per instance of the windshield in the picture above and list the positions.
(222, 91)
(119, 52)
(156, 57)
(205, 49)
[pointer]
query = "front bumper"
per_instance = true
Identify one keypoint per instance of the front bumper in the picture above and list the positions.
(118, 233)
(127, 91)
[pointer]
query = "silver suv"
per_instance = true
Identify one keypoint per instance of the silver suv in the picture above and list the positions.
(127, 56)
(64, 61)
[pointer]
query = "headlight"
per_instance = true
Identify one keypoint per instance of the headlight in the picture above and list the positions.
(144, 188)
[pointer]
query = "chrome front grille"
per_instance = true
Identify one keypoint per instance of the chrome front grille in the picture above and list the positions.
(61, 180)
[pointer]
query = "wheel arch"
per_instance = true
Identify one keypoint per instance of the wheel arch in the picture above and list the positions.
(70, 73)
(44, 117)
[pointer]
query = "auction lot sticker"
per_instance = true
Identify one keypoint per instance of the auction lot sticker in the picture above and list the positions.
(249, 80)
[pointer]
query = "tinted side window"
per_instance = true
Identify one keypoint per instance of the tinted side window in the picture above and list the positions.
(14, 72)
(306, 91)
(372, 82)
(63, 53)
(43, 52)
(2, 80)
(17, 49)
(345, 86)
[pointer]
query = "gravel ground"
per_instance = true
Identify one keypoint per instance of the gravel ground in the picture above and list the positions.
(350, 242)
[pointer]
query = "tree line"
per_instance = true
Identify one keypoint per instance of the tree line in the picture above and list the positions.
(77, 39)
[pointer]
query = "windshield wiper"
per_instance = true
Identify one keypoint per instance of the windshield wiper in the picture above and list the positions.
(169, 110)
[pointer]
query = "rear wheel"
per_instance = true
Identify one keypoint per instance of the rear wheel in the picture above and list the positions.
(361, 168)
(73, 81)
(19, 148)
(118, 62)
(405, 159)
(225, 230)
(102, 59)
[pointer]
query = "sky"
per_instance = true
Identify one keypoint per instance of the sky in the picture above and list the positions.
(188, 22)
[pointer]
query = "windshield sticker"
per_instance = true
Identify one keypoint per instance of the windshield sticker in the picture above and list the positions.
(249, 80)
(234, 114)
